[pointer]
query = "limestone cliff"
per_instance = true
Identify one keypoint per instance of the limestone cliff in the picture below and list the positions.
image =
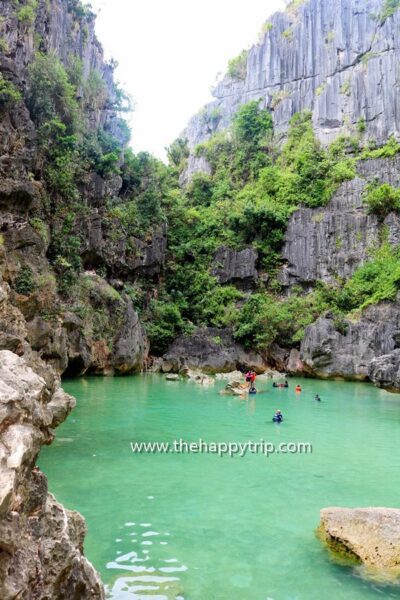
(336, 58)
(323, 244)
(45, 331)
(95, 329)
(41, 543)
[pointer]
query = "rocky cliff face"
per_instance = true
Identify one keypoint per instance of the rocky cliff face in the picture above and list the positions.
(337, 59)
(41, 543)
(323, 244)
(98, 330)
(210, 350)
(42, 334)
(237, 267)
(364, 349)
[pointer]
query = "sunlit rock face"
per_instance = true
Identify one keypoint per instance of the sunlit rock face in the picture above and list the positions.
(336, 58)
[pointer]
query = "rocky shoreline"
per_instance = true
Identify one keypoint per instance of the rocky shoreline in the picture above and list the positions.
(365, 351)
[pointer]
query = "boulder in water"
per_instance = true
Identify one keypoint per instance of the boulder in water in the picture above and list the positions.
(172, 377)
(370, 536)
(231, 376)
(235, 388)
(199, 377)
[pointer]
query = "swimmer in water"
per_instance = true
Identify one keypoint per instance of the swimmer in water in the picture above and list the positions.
(278, 417)
(317, 398)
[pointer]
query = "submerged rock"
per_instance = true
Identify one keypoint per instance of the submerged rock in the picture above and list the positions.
(368, 535)
(237, 388)
(41, 543)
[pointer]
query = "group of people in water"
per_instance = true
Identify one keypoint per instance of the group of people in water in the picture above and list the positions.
(250, 377)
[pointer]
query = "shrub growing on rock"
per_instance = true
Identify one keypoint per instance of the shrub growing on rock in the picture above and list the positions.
(382, 199)
(24, 283)
(9, 94)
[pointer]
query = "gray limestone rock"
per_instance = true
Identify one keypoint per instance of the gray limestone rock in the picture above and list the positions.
(334, 58)
(357, 352)
(322, 244)
(131, 346)
(211, 350)
(41, 542)
(233, 266)
(384, 370)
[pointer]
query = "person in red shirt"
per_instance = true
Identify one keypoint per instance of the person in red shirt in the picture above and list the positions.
(248, 378)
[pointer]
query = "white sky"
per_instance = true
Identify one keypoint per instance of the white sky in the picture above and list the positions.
(169, 54)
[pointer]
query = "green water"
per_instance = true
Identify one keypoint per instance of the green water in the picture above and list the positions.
(204, 527)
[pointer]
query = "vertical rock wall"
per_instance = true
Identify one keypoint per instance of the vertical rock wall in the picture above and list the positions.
(336, 58)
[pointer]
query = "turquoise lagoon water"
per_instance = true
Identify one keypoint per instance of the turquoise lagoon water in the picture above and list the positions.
(203, 527)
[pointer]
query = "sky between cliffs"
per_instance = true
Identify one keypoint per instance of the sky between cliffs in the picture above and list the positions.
(169, 54)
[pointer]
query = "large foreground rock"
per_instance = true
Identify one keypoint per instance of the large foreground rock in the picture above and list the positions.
(41, 543)
(211, 350)
(370, 535)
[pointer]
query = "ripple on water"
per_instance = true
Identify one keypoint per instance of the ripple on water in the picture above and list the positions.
(140, 575)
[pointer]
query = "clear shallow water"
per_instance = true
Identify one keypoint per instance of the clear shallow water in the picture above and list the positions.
(203, 527)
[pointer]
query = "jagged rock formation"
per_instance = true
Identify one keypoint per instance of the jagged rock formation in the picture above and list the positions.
(323, 244)
(367, 535)
(41, 334)
(237, 267)
(337, 59)
(210, 350)
(41, 543)
(99, 332)
(365, 349)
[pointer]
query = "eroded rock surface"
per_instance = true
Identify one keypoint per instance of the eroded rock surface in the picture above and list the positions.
(323, 244)
(210, 350)
(371, 535)
(41, 543)
(236, 266)
(336, 59)
(358, 351)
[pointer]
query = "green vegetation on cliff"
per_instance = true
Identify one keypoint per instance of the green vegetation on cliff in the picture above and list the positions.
(246, 199)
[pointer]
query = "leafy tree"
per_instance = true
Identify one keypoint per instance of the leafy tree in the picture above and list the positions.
(178, 152)
(251, 123)
(24, 283)
(237, 67)
(50, 93)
